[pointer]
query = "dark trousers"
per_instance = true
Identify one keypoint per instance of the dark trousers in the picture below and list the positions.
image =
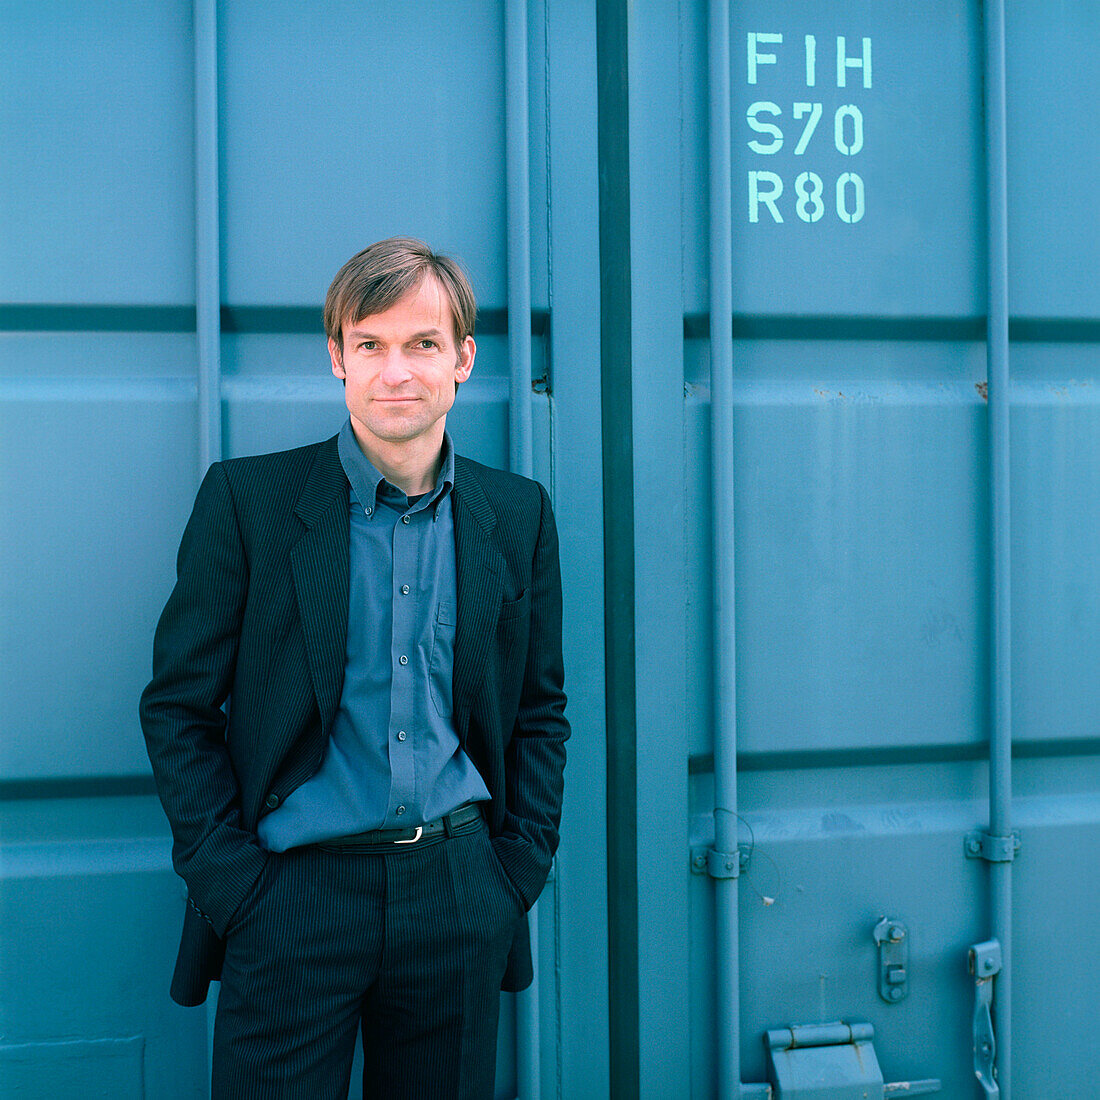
(409, 946)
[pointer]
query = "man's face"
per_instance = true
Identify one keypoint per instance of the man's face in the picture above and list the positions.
(400, 369)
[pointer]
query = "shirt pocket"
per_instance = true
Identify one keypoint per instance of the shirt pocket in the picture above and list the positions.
(441, 666)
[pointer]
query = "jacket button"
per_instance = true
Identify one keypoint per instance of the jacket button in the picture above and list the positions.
(271, 801)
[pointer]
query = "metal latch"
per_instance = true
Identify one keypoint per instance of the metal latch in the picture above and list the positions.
(892, 938)
(985, 965)
(832, 1062)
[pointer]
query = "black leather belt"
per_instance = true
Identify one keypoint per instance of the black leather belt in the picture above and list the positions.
(379, 841)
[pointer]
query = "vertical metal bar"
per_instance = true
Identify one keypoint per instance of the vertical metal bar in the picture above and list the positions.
(613, 19)
(207, 273)
(528, 1047)
(1000, 750)
(207, 254)
(517, 169)
(528, 1053)
(722, 534)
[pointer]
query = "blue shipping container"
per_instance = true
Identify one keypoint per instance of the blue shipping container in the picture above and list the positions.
(832, 597)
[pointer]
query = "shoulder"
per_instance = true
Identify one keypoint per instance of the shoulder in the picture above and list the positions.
(516, 503)
(282, 478)
(515, 510)
(502, 488)
(276, 465)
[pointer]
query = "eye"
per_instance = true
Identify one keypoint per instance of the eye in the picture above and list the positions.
(426, 343)
(368, 345)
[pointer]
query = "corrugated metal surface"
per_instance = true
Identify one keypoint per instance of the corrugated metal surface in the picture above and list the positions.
(862, 528)
(331, 126)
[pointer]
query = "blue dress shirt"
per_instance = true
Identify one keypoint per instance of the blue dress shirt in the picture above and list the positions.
(393, 760)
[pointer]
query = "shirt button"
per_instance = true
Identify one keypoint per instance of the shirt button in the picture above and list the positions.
(369, 511)
(271, 801)
(403, 659)
(401, 735)
(404, 590)
(404, 519)
(400, 810)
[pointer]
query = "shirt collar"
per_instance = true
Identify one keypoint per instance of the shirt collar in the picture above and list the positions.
(367, 484)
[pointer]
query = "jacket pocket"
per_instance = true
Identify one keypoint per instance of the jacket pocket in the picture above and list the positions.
(254, 893)
(514, 609)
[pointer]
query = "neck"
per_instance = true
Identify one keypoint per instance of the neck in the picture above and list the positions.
(412, 465)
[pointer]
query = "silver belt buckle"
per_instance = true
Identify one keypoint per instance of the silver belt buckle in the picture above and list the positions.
(416, 836)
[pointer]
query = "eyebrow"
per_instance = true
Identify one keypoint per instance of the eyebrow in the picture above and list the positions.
(364, 334)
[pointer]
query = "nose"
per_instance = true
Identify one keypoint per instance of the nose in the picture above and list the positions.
(394, 370)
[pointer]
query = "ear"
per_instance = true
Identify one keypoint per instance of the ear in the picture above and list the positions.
(337, 357)
(466, 352)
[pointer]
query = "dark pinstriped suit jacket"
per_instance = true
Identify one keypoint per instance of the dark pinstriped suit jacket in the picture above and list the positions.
(259, 615)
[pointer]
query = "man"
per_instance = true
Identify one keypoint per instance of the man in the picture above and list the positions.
(362, 829)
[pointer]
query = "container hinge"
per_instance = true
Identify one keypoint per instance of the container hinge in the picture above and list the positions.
(993, 849)
(810, 1062)
(985, 965)
(709, 861)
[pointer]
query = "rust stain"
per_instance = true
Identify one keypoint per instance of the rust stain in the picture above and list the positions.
(983, 390)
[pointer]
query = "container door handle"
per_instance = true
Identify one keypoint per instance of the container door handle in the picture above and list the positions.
(985, 964)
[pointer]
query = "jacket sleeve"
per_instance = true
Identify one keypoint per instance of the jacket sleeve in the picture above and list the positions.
(194, 656)
(535, 756)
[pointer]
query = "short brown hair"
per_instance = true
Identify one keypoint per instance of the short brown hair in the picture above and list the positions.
(383, 273)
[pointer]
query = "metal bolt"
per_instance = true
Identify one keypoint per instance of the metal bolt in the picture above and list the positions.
(729, 864)
(974, 846)
(897, 933)
(700, 861)
(895, 994)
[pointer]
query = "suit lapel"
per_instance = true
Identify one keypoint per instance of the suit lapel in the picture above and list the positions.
(479, 570)
(319, 562)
